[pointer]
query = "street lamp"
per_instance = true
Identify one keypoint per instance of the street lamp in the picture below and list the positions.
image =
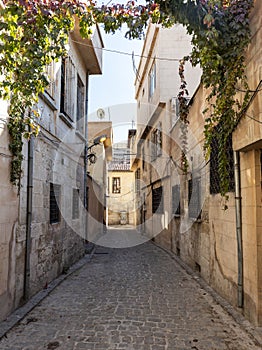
(98, 140)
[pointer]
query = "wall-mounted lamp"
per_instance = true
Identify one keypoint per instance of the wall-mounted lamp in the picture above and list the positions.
(98, 140)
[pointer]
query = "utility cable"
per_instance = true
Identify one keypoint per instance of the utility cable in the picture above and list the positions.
(256, 120)
(128, 53)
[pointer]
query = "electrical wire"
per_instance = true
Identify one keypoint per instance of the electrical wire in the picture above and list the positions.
(128, 53)
(240, 90)
(256, 120)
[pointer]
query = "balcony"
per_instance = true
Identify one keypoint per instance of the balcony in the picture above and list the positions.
(90, 49)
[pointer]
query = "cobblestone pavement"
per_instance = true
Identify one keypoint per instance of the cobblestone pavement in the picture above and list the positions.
(135, 299)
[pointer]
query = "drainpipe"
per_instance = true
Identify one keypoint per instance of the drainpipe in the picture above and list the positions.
(85, 154)
(238, 228)
(28, 217)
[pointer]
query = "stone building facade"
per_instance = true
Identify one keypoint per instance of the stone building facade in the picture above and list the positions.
(97, 177)
(157, 87)
(43, 229)
(224, 246)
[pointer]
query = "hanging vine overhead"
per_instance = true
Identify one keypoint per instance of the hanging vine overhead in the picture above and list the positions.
(33, 33)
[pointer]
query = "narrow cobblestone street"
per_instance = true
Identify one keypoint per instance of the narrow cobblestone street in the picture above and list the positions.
(135, 299)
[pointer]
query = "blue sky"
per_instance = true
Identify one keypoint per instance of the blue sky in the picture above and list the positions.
(114, 90)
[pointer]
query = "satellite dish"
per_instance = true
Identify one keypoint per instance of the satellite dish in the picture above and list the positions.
(100, 114)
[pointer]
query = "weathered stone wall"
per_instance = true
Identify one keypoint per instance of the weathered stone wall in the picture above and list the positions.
(209, 244)
(57, 158)
(95, 212)
(248, 140)
(8, 221)
(54, 247)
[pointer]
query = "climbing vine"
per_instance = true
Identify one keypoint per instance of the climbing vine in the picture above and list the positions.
(33, 33)
(220, 35)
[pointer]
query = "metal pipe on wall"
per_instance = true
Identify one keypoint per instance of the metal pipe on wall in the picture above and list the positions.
(28, 217)
(239, 228)
(85, 156)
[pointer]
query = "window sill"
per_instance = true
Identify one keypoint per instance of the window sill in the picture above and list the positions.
(66, 120)
(80, 135)
(176, 216)
(55, 223)
(49, 101)
(198, 221)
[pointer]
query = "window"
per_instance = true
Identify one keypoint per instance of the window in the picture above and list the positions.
(54, 201)
(159, 140)
(157, 200)
(156, 142)
(176, 200)
(50, 89)
(137, 178)
(153, 145)
(143, 159)
(87, 198)
(75, 204)
(214, 172)
(67, 86)
(116, 185)
(152, 80)
(194, 198)
(80, 111)
(175, 108)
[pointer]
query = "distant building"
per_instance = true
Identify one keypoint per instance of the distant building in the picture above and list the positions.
(121, 187)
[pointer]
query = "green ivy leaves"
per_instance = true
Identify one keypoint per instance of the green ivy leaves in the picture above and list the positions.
(33, 33)
(221, 35)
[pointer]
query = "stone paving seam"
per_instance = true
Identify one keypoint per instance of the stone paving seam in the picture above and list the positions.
(19, 314)
(231, 311)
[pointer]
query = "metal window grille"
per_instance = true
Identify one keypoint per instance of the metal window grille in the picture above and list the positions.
(116, 185)
(194, 198)
(176, 200)
(214, 165)
(55, 194)
(157, 200)
(75, 203)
